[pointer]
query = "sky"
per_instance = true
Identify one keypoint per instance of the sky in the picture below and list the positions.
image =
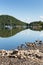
(24, 10)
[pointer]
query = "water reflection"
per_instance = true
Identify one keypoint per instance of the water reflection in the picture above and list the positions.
(36, 28)
(20, 38)
(11, 38)
(9, 31)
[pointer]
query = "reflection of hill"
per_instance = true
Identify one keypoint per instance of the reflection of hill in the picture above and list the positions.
(10, 25)
(38, 25)
(38, 29)
(8, 33)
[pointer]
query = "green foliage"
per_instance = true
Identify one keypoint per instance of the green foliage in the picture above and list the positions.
(13, 22)
(8, 33)
(9, 20)
(37, 23)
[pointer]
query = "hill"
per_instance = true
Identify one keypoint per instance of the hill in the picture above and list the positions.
(9, 25)
(36, 25)
(9, 20)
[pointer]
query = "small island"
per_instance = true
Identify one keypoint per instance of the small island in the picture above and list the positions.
(36, 25)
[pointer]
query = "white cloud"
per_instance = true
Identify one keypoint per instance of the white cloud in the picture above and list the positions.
(28, 20)
(41, 17)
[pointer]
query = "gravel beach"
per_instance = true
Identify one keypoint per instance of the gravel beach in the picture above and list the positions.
(32, 56)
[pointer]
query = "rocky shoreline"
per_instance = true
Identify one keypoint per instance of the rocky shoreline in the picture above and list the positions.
(28, 54)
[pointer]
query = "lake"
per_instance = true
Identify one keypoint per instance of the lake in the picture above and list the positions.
(19, 38)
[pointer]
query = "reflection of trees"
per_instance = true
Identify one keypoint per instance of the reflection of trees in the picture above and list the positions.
(9, 32)
(36, 29)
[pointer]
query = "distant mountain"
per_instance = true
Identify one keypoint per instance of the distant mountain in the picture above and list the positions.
(9, 20)
(36, 23)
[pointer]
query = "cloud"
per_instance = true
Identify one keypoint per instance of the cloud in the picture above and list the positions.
(28, 20)
(41, 17)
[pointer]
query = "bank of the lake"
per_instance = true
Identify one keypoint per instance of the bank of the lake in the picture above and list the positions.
(32, 54)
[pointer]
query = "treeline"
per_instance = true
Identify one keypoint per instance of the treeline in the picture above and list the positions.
(37, 23)
(10, 20)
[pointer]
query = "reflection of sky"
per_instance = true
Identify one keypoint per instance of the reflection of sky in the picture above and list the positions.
(20, 38)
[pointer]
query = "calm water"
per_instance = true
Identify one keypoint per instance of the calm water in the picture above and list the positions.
(20, 38)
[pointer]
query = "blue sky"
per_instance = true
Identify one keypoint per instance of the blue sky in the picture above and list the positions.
(25, 10)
